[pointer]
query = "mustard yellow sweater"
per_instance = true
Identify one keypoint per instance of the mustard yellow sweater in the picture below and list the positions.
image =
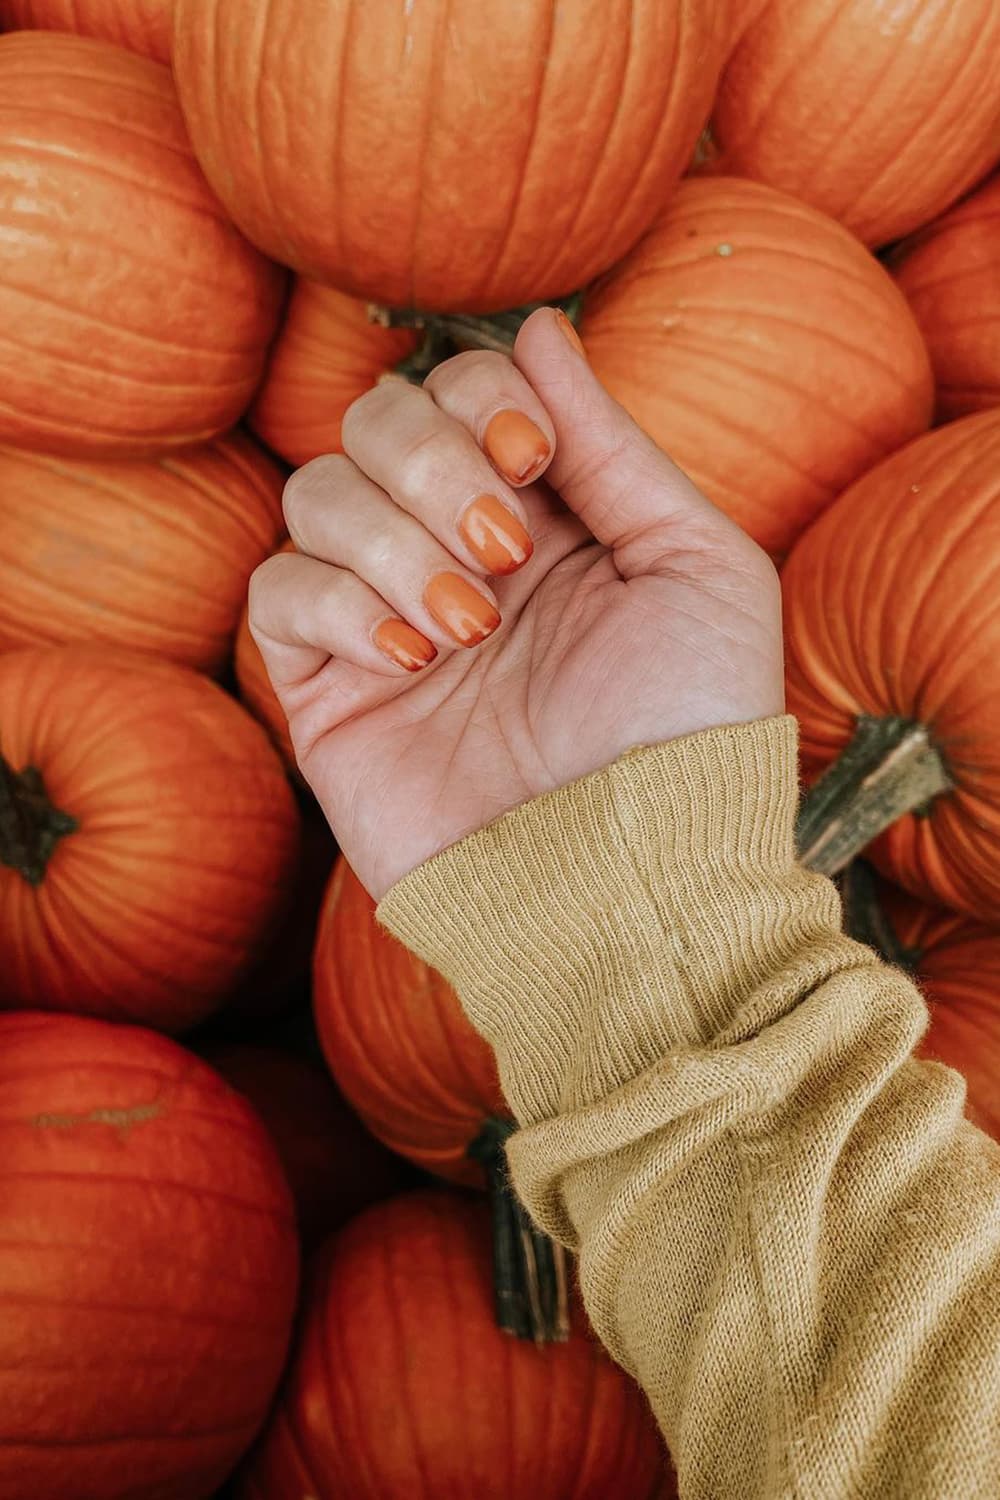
(787, 1230)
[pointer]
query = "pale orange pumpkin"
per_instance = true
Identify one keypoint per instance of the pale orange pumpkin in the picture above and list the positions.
(139, 25)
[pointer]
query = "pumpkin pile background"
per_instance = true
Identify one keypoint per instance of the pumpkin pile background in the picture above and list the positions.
(226, 1098)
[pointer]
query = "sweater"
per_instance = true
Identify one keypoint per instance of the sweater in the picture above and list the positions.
(787, 1230)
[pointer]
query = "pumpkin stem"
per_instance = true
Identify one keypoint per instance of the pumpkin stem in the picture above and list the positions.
(865, 920)
(890, 767)
(446, 333)
(30, 827)
(530, 1285)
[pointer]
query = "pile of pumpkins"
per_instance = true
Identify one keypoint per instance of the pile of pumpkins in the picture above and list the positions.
(220, 222)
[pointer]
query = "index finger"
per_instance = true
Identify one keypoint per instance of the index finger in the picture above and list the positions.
(497, 405)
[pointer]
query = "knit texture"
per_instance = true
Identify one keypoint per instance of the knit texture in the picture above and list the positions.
(787, 1230)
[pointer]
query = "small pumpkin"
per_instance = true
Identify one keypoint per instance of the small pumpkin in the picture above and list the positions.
(950, 275)
(762, 347)
(456, 155)
(139, 25)
(892, 615)
(135, 316)
(880, 114)
(148, 837)
(152, 554)
(255, 687)
(400, 1384)
(148, 1260)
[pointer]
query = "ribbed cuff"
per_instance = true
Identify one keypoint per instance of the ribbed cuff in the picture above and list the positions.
(631, 914)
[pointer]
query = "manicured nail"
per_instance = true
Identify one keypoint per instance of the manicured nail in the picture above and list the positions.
(569, 333)
(460, 609)
(516, 445)
(404, 645)
(495, 535)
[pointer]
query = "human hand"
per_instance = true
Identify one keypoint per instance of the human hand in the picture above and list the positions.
(642, 613)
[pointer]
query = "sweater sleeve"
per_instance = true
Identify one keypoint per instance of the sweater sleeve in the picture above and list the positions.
(787, 1230)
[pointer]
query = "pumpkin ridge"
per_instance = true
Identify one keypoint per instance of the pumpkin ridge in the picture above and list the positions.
(94, 1178)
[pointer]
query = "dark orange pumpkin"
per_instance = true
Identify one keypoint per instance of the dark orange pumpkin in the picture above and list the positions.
(892, 611)
(256, 690)
(400, 1383)
(950, 274)
(447, 153)
(327, 354)
(135, 317)
(150, 554)
(763, 348)
(879, 112)
(148, 837)
(140, 25)
(148, 1260)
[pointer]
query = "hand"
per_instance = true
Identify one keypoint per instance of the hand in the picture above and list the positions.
(642, 613)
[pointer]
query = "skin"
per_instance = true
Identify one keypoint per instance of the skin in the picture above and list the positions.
(643, 613)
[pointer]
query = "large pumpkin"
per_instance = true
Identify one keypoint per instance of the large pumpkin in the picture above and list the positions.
(140, 25)
(148, 837)
(447, 153)
(327, 354)
(148, 1261)
(763, 348)
(135, 317)
(401, 1385)
(892, 610)
(153, 554)
(950, 275)
(255, 686)
(879, 112)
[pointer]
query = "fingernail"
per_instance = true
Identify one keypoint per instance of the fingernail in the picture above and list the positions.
(516, 445)
(569, 333)
(460, 609)
(404, 645)
(495, 535)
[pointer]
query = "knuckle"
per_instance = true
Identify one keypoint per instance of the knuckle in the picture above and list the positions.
(425, 464)
(265, 579)
(377, 406)
(479, 365)
(321, 478)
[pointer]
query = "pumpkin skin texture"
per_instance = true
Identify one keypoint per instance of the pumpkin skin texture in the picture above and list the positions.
(892, 607)
(255, 687)
(878, 112)
(151, 554)
(327, 354)
(139, 25)
(400, 1383)
(458, 155)
(136, 318)
(397, 1041)
(763, 348)
(950, 275)
(174, 879)
(149, 1264)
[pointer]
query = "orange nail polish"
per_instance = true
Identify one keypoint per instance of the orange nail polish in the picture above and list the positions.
(515, 445)
(569, 333)
(404, 645)
(460, 609)
(495, 535)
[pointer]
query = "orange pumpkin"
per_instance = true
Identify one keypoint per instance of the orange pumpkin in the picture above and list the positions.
(153, 554)
(456, 155)
(255, 687)
(148, 1260)
(135, 316)
(147, 837)
(950, 274)
(140, 25)
(763, 348)
(400, 1384)
(878, 112)
(892, 611)
(327, 354)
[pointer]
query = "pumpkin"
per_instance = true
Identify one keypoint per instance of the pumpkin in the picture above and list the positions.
(255, 687)
(878, 112)
(446, 154)
(153, 554)
(400, 1384)
(148, 1261)
(892, 611)
(135, 316)
(763, 348)
(140, 25)
(333, 1166)
(148, 836)
(327, 353)
(950, 274)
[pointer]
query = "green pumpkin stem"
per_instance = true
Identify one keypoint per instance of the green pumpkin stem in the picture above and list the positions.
(30, 827)
(448, 333)
(865, 920)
